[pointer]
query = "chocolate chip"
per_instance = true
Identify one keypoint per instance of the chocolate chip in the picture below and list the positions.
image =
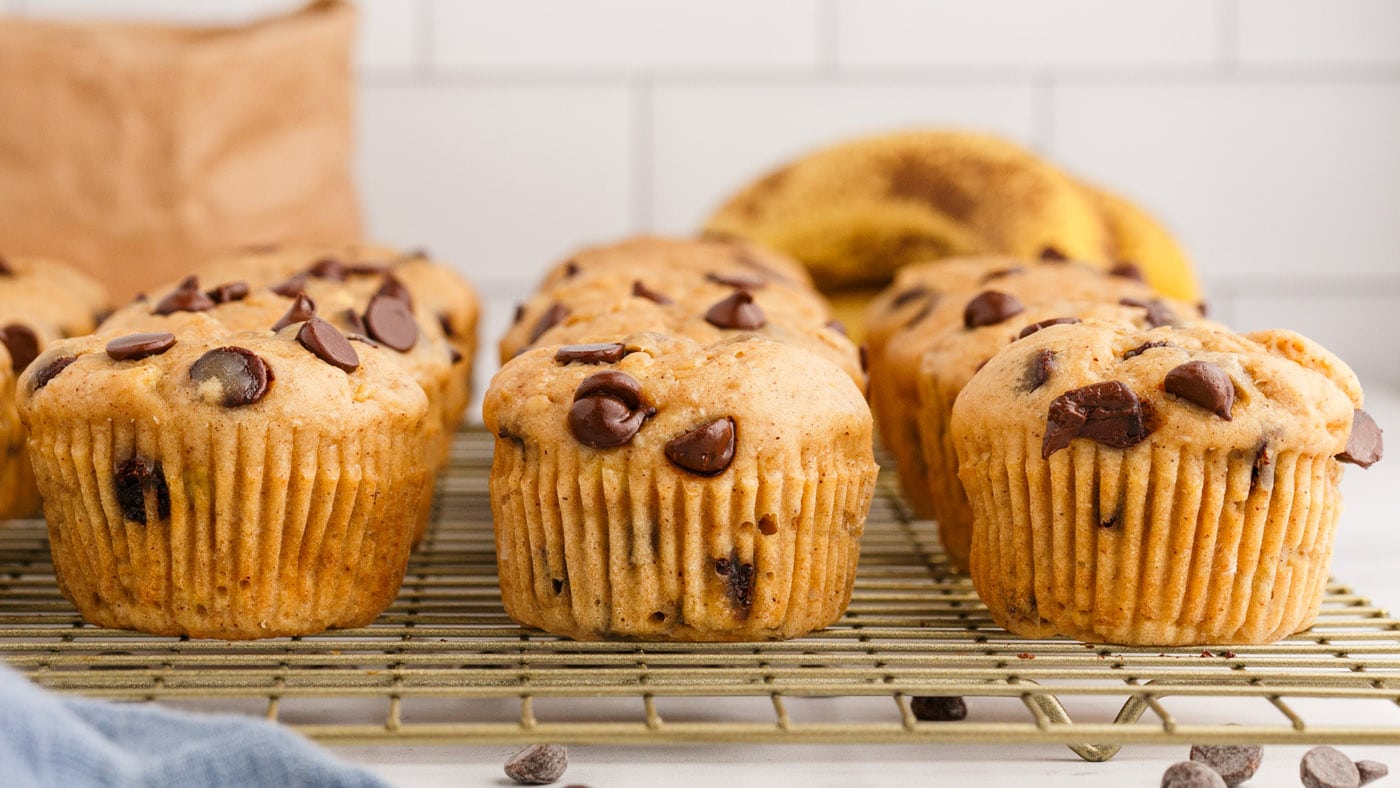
(1364, 445)
(185, 298)
(393, 288)
(445, 320)
(329, 268)
(991, 307)
(738, 582)
(706, 450)
(938, 708)
(328, 344)
(49, 372)
(1203, 308)
(5, 269)
(599, 353)
(133, 347)
(133, 479)
(303, 308)
(365, 269)
(1143, 348)
(1327, 767)
(1109, 413)
(1054, 321)
(1052, 255)
(354, 322)
(864, 351)
(745, 258)
(570, 269)
(1235, 763)
(551, 318)
(1038, 369)
(538, 764)
(519, 313)
(1128, 270)
(1158, 313)
(1204, 384)
(231, 291)
(1189, 774)
(390, 322)
(642, 291)
(243, 377)
(1111, 520)
(454, 354)
(1262, 472)
(1370, 771)
(607, 410)
(838, 327)
(906, 296)
(737, 311)
(739, 282)
(557, 584)
(292, 286)
(924, 311)
(1002, 272)
(22, 343)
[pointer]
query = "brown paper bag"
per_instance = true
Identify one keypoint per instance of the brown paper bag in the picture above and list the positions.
(136, 150)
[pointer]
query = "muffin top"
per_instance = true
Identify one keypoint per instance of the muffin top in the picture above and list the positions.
(1168, 387)
(42, 300)
(199, 371)
(692, 407)
(722, 256)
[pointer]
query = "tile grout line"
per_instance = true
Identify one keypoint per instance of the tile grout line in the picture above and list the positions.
(828, 37)
(640, 158)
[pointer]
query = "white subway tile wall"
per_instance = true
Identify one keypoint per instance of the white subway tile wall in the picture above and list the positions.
(502, 133)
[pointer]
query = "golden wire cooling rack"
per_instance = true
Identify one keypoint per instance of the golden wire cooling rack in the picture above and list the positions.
(445, 665)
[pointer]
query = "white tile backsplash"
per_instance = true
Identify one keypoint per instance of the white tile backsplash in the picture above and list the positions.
(624, 34)
(1031, 33)
(205, 12)
(707, 141)
(1259, 180)
(1319, 31)
(1350, 325)
(390, 37)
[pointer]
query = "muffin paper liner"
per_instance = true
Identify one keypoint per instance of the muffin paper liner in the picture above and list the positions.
(592, 546)
(944, 491)
(1149, 546)
(271, 531)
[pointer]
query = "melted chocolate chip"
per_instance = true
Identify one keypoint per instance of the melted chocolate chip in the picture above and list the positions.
(22, 343)
(1002, 272)
(600, 353)
(1364, 444)
(49, 372)
(1158, 313)
(1109, 413)
(738, 282)
(292, 286)
(1262, 473)
(991, 307)
(393, 288)
(738, 582)
(938, 708)
(329, 268)
(231, 291)
(390, 322)
(302, 309)
(918, 291)
(133, 479)
(607, 410)
(737, 311)
(1204, 384)
(242, 376)
(1128, 270)
(1143, 348)
(133, 347)
(642, 291)
(838, 327)
(552, 317)
(1054, 321)
(1052, 255)
(706, 450)
(329, 345)
(185, 298)
(1038, 369)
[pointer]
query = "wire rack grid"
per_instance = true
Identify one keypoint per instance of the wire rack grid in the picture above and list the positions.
(913, 629)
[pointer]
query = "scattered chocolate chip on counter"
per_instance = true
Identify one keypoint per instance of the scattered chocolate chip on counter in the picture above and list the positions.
(938, 708)
(1190, 774)
(1370, 771)
(1235, 763)
(1328, 767)
(538, 764)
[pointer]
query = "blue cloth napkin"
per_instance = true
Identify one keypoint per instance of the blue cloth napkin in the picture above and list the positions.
(49, 740)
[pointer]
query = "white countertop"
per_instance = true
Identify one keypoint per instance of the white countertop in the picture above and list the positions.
(1365, 558)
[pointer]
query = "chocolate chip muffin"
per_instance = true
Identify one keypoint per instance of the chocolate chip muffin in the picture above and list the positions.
(998, 293)
(41, 300)
(657, 488)
(1171, 486)
(231, 484)
(730, 287)
(950, 362)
